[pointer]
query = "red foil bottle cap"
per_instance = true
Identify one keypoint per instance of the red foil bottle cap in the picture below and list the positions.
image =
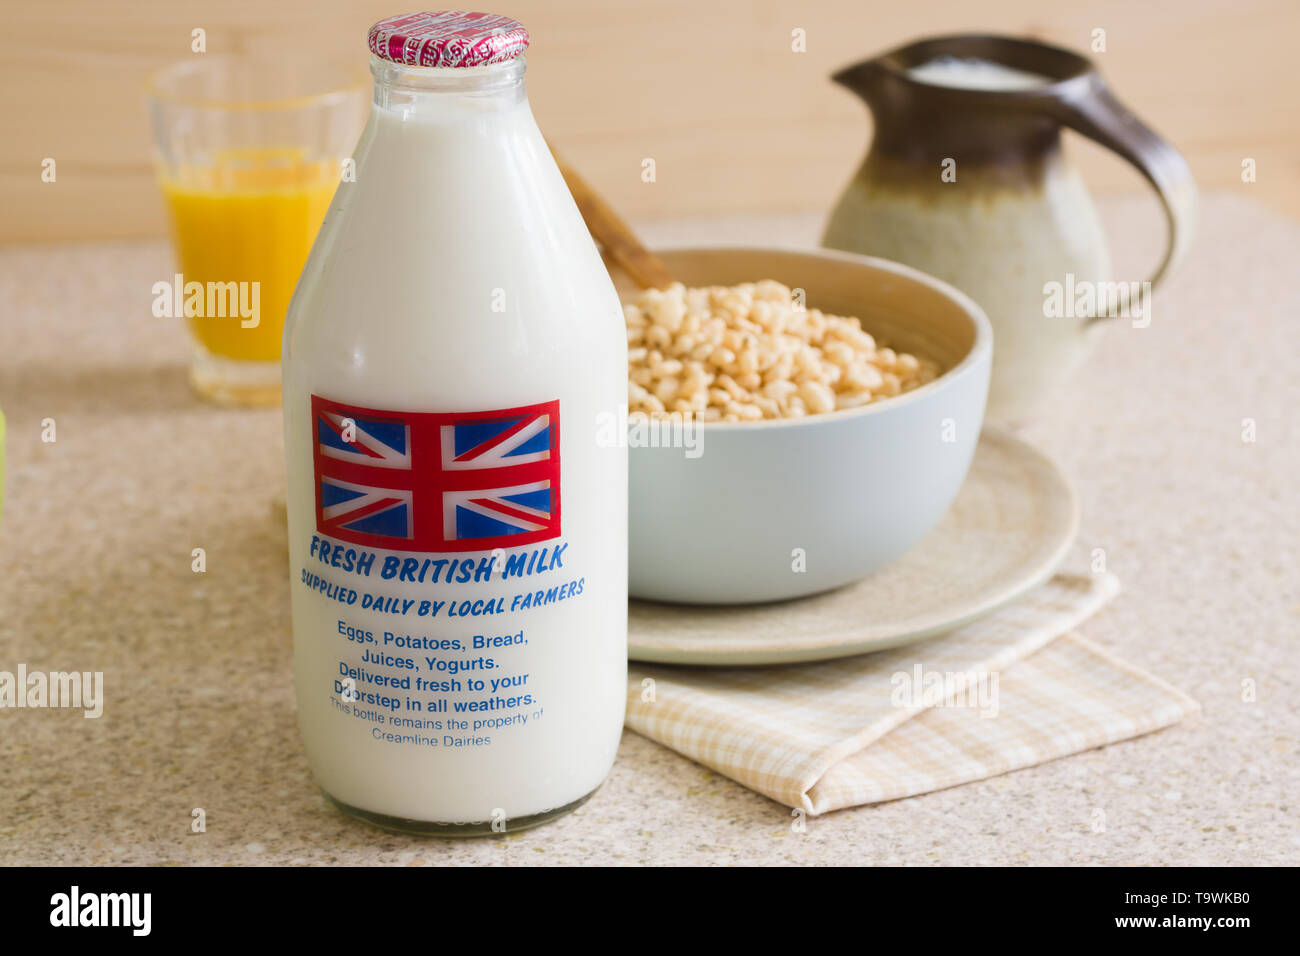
(447, 38)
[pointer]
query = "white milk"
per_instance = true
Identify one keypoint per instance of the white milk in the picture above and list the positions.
(456, 276)
(972, 73)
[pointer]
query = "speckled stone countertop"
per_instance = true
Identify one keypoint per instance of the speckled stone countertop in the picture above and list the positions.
(95, 551)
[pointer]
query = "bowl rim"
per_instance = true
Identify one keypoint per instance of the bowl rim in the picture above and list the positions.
(981, 348)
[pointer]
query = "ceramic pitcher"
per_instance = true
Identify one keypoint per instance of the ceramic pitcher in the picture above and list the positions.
(966, 180)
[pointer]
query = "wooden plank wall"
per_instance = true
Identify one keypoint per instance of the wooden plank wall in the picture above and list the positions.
(735, 120)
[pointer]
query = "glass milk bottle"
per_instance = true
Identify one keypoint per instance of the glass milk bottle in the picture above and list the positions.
(458, 533)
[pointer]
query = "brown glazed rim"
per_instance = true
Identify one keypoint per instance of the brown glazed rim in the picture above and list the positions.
(1063, 68)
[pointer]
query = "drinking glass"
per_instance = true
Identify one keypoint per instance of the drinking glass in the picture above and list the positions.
(248, 151)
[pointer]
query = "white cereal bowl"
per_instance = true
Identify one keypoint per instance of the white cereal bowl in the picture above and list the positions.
(785, 508)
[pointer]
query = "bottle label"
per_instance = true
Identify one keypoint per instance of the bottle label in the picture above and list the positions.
(437, 482)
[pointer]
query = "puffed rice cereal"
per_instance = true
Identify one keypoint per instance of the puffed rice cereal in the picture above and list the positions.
(749, 352)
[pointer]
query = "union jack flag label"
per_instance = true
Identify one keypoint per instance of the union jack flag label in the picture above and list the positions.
(433, 481)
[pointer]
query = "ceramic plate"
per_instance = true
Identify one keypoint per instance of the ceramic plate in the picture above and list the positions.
(1012, 523)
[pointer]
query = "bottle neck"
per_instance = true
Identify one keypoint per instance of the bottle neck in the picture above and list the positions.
(433, 90)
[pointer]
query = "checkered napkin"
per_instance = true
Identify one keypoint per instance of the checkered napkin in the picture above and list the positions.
(1014, 689)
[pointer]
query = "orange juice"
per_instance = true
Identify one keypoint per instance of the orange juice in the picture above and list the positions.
(249, 217)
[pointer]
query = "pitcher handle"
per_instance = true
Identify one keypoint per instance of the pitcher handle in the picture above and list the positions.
(1096, 113)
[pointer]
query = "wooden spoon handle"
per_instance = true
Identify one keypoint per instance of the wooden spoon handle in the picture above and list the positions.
(617, 238)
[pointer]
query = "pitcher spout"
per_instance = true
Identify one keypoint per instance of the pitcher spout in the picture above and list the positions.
(860, 78)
